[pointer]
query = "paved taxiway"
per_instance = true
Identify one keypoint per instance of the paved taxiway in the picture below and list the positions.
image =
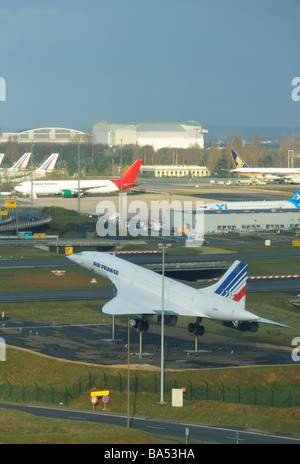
(205, 433)
(93, 343)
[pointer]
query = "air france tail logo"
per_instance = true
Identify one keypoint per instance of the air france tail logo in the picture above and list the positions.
(222, 206)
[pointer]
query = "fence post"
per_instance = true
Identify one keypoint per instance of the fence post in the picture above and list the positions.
(51, 393)
(191, 389)
(272, 397)
(23, 392)
(121, 389)
(136, 383)
(37, 389)
(206, 389)
(223, 393)
(9, 389)
(255, 395)
(79, 386)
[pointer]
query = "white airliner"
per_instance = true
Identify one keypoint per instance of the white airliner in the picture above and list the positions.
(241, 167)
(68, 188)
(292, 203)
(139, 293)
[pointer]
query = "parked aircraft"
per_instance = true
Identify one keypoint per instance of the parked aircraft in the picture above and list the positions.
(69, 188)
(47, 166)
(241, 167)
(292, 203)
(139, 293)
(1, 157)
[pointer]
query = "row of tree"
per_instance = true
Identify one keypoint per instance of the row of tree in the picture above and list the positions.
(101, 160)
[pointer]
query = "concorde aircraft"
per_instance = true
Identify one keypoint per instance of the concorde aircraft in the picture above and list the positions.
(242, 168)
(292, 203)
(69, 188)
(139, 293)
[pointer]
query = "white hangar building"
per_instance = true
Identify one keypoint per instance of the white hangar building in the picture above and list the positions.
(157, 135)
(47, 135)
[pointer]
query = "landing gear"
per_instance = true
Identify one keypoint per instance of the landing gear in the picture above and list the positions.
(195, 328)
(140, 324)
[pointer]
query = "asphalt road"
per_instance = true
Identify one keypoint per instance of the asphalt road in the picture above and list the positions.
(149, 258)
(207, 434)
(289, 286)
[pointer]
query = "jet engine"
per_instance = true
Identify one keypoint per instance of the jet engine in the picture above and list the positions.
(67, 193)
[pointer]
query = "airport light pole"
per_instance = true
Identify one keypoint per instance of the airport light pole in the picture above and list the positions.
(121, 193)
(162, 246)
(78, 192)
(128, 370)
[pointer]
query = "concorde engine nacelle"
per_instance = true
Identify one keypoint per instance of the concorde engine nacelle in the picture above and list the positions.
(244, 326)
(143, 324)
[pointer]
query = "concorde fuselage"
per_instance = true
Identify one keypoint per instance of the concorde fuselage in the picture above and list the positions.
(145, 288)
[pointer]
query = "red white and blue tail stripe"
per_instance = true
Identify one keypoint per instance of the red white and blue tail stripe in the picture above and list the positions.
(22, 162)
(233, 284)
(48, 165)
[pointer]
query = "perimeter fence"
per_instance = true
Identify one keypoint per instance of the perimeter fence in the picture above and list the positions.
(150, 383)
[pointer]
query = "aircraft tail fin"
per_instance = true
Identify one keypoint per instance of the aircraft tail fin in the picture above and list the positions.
(1, 157)
(48, 165)
(232, 284)
(129, 176)
(22, 162)
(296, 199)
(238, 160)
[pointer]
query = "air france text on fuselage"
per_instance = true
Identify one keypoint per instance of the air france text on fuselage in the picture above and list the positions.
(106, 268)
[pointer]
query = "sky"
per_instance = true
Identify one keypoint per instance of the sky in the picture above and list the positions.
(220, 62)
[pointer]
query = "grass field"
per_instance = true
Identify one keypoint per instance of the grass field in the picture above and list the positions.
(29, 368)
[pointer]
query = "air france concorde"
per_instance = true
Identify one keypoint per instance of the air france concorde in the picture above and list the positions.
(139, 293)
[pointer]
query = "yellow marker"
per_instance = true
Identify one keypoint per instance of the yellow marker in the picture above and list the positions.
(100, 393)
(10, 204)
(68, 250)
(3, 213)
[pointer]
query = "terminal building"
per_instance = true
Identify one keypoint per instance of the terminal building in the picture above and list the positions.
(267, 220)
(157, 135)
(175, 171)
(58, 135)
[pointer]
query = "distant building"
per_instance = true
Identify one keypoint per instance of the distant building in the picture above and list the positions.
(47, 135)
(157, 135)
(240, 221)
(176, 171)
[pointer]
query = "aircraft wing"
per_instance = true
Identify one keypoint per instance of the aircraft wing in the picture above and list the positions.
(126, 302)
(268, 321)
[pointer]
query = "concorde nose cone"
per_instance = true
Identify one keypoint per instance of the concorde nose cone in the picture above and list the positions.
(74, 257)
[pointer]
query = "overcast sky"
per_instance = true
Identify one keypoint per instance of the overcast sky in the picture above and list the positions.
(220, 62)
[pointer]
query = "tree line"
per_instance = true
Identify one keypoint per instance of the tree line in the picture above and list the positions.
(102, 160)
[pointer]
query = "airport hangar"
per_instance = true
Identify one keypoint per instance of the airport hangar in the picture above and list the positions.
(225, 221)
(157, 135)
